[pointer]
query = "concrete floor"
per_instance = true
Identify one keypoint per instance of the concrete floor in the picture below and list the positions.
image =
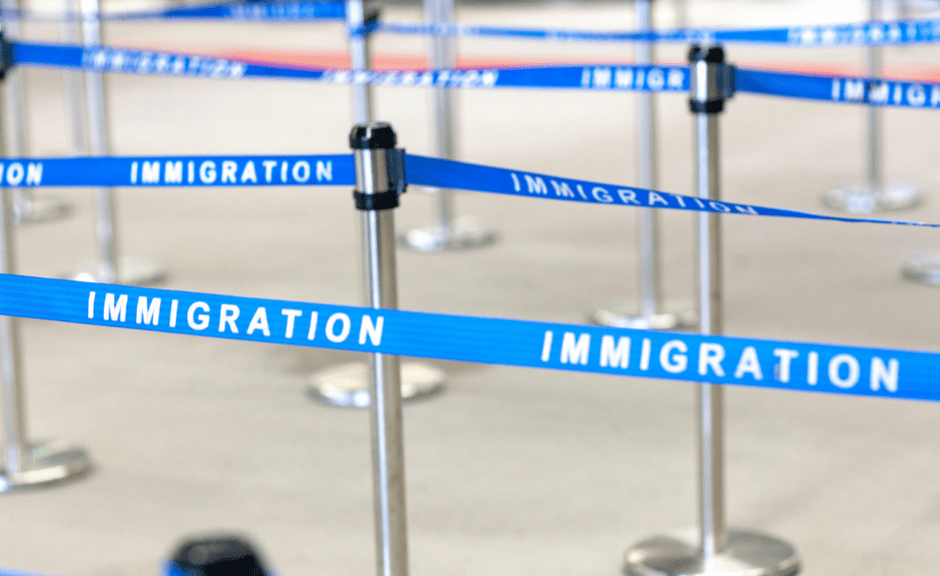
(510, 471)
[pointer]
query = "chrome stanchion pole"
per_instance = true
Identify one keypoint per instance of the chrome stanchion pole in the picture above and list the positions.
(110, 268)
(924, 266)
(346, 385)
(24, 464)
(27, 207)
(448, 233)
(681, 8)
(376, 197)
(718, 550)
(74, 103)
(650, 313)
(873, 195)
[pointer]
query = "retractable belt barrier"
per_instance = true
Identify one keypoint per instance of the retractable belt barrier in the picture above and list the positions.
(287, 11)
(856, 34)
(125, 60)
(337, 170)
(840, 89)
(861, 34)
(675, 79)
(648, 354)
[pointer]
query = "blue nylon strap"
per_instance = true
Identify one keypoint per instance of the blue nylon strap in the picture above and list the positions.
(843, 89)
(278, 11)
(866, 33)
(647, 354)
(150, 171)
(104, 59)
(598, 77)
(602, 77)
(285, 11)
(440, 173)
(590, 77)
(338, 170)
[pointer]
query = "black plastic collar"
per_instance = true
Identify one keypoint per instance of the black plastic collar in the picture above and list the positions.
(6, 56)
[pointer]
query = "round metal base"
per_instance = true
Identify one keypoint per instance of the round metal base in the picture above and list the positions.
(863, 199)
(47, 464)
(677, 316)
(464, 233)
(923, 268)
(38, 209)
(347, 385)
(131, 272)
(747, 554)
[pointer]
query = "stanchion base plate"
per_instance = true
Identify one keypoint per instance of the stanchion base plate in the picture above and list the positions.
(41, 209)
(47, 464)
(347, 385)
(923, 268)
(131, 272)
(677, 316)
(465, 234)
(747, 554)
(856, 199)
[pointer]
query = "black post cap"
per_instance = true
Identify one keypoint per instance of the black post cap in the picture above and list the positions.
(374, 136)
(218, 556)
(714, 54)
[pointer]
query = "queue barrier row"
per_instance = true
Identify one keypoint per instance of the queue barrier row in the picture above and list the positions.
(785, 365)
(672, 79)
(338, 170)
(899, 32)
(382, 331)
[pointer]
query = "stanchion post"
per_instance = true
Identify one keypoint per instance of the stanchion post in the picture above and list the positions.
(873, 195)
(25, 465)
(717, 550)
(346, 385)
(27, 208)
(110, 267)
(360, 55)
(378, 165)
(681, 8)
(448, 233)
(707, 100)
(649, 314)
(69, 33)
(646, 152)
(105, 229)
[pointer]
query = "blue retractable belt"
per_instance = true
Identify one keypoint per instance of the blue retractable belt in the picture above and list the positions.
(598, 77)
(783, 365)
(859, 34)
(337, 170)
(250, 11)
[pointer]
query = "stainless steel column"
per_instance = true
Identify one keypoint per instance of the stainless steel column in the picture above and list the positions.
(370, 143)
(24, 464)
(74, 103)
(110, 268)
(346, 385)
(447, 233)
(650, 278)
(714, 533)
(681, 8)
(360, 56)
(924, 266)
(649, 314)
(873, 195)
(27, 208)
(717, 550)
